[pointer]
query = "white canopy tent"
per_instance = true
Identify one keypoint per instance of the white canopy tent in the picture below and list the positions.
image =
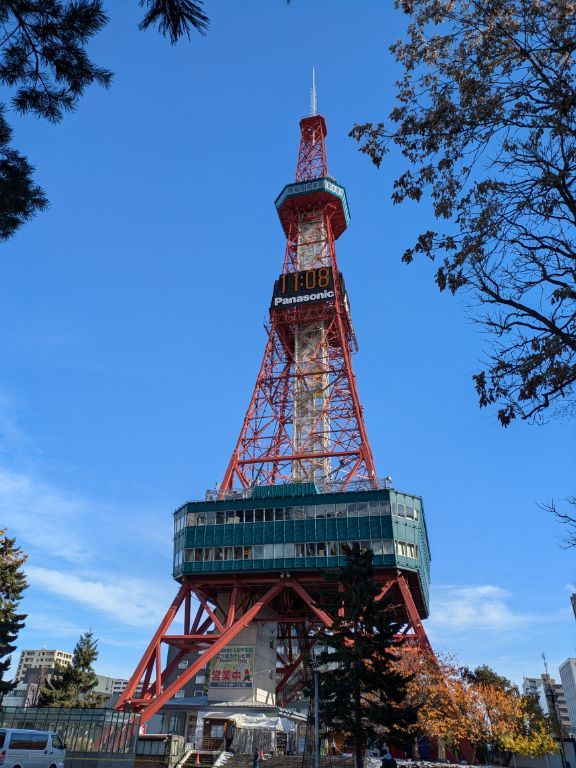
(263, 723)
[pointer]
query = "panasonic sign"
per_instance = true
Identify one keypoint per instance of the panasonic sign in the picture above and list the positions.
(280, 301)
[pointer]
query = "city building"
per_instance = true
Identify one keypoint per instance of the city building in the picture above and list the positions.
(104, 686)
(35, 666)
(41, 659)
(551, 698)
(118, 684)
(23, 695)
(568, 678)
(533, 686)
(111, 687)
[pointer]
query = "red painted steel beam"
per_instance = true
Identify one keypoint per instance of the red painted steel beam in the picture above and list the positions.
(232, 608)
(172, 665)
(225, 638)
(147, 676)
(384, 591)
(209, 611)
(130, 689)
(413, 614)
(193, 639)
(288, 672)
(298, 457)
(195, 623)
(309, 600)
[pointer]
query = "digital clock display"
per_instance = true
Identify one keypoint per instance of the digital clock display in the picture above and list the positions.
(307, 285)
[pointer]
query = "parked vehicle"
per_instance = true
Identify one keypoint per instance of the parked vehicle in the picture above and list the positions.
(23, 748)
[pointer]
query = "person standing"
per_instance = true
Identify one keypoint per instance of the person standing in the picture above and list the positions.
(387, 760)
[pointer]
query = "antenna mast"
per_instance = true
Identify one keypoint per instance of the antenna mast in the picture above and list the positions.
(313, 100)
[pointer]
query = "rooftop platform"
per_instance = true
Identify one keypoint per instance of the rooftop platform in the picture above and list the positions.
(315, 192)
(302, 527)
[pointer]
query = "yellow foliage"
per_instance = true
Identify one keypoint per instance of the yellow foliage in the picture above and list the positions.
(454, 708)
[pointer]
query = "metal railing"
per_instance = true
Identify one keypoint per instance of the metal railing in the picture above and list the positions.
(83, 730)
(329, 486)
(206, 744)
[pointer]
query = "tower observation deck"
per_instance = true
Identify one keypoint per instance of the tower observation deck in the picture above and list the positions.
(251, 558)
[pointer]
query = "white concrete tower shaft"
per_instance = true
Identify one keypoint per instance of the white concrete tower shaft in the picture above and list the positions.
(311, 433)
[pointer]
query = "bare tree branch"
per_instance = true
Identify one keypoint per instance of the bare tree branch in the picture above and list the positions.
(485, 117)
(566, 519)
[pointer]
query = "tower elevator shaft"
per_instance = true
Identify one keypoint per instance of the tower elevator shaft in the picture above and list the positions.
(311, 429)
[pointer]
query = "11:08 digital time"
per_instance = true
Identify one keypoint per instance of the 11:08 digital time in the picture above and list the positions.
(310, 279)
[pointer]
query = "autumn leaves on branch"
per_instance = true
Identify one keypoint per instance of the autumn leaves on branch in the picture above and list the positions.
(480, 707)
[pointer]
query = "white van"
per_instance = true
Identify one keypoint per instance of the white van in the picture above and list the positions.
(22, 748)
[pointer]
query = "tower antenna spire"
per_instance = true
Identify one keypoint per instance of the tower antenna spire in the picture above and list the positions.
(313, 100)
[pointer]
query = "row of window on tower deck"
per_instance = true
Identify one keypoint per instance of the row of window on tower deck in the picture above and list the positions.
(303, 512)
(293, 550)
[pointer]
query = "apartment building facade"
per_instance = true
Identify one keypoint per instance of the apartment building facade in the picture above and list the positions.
(41, 659)
(551, 698)
(568, 678)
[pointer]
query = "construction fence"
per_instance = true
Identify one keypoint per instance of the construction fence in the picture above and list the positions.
(94, 738)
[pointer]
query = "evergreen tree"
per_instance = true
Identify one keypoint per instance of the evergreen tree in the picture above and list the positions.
(73, 686)
(12, 584)
(485, 675)
(45, 69)
(362, 694)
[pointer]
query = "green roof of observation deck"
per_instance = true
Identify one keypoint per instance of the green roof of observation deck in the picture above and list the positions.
(314, 192)
(303, 527)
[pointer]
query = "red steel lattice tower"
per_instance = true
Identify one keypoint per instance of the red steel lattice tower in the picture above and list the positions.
(300, 484)
(304, 421)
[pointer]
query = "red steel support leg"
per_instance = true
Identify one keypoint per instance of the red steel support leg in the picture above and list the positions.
(158, 686)
(287, 673)
(384, 591)
(187, 614)
(147, 676)
(232, 606)
(150, 653)
(413, 615)
(309, 600)
(221, 642)
(167, 672)
(210, 612)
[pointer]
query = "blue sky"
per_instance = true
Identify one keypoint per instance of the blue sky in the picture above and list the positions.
(131, 333)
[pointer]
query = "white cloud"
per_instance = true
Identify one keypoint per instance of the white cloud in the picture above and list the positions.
(36, 512)
(482, 624)
(50, 625)
(129, 642)
(132, 602)
(470, 609)
(90, 562)
(12, 437)
(47, 519)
